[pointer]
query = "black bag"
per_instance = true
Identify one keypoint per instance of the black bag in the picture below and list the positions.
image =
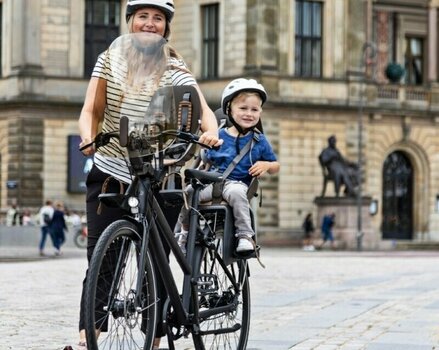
(47, 219)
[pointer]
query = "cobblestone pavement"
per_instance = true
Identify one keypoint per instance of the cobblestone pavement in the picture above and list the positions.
(302, 300)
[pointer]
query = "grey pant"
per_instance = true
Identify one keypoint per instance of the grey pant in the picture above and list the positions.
(235, 194)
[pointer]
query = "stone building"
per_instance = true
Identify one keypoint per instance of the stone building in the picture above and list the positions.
(331, 67)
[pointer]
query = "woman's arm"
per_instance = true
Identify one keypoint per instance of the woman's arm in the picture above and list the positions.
(92, 112)
(209, 124)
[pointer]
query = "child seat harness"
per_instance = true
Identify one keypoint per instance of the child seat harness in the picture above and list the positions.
(217, 189)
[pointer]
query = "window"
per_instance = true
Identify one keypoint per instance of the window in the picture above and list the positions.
(209, 50)
(1, 43)
(102, 22)
(414, 67)
(308, 50)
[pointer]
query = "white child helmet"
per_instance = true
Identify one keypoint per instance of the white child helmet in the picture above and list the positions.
(167, 6)
(238, 85)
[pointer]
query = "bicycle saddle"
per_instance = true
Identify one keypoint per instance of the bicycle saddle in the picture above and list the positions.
(203, 176)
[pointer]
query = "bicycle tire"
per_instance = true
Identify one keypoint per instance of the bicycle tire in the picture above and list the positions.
(80, 240)
(110, 292)
(219, 331)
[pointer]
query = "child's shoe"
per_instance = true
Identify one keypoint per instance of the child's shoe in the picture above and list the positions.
(245, 243)
(181, 240)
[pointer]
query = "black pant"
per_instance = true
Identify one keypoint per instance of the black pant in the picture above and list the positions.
(97, 223)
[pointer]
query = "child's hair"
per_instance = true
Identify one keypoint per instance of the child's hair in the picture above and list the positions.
(247, 94)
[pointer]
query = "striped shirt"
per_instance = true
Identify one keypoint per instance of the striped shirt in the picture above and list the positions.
(131, 101)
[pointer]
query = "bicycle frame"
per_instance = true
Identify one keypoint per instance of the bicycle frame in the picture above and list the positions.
(155, 231)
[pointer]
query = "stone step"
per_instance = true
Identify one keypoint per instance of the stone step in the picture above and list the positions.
(410, 245)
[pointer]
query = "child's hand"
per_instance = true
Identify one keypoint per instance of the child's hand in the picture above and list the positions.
(259, 168)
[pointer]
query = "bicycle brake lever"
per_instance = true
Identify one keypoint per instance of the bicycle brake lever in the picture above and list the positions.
(215, 148)
(86, 146)
(100, 140)
(194, 138)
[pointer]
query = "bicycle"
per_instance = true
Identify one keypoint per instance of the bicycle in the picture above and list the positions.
(80, 237)
(214, 302)
(214, 281)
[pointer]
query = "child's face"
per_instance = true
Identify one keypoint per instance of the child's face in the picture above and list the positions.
(246, 109)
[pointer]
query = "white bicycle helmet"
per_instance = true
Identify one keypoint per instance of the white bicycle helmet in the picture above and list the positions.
(238, 85)
(167, 6)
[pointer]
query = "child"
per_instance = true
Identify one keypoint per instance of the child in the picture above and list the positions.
(242, 101)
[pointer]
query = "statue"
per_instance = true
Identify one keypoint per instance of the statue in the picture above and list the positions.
(338, 169)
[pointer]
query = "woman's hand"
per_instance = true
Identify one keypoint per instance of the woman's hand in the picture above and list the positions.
(210, 139)
(89, 150)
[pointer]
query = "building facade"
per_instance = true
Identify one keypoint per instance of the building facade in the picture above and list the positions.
(331, 67)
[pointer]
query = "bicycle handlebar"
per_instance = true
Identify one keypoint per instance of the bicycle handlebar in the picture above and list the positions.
(102, 139)
(188, 137)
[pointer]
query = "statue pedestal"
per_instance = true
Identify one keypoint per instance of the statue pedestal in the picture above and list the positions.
(346, 221)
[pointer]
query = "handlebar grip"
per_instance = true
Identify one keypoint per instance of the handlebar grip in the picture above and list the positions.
(195, 138)
(215, 148)
(86, 146)
(123, 131)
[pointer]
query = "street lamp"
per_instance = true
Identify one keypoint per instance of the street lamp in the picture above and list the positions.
(368, 55)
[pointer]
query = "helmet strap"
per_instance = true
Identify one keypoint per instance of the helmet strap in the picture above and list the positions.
(241, 131)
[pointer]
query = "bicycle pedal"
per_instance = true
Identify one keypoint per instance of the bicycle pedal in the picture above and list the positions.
(207, 283)
(248, 254)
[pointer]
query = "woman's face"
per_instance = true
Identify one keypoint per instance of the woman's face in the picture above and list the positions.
(246, 109)
(149, 20)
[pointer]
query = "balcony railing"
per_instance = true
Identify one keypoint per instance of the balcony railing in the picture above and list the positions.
(403, 93)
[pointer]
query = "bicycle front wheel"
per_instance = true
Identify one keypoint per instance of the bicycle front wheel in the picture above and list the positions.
(121, 306)
(226, 288)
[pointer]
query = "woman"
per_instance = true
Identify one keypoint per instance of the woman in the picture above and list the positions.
(58, 226)
(151, 16)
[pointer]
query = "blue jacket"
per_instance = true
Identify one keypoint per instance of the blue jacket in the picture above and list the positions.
(58, 223)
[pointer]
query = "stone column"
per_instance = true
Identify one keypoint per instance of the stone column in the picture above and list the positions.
(262, 35)
(23, 42)
(382, 45)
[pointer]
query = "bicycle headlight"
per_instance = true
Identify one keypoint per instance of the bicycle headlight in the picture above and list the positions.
(133, 202)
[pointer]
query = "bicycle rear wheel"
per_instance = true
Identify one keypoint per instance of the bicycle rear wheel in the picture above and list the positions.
(123, 317)
(227, 288)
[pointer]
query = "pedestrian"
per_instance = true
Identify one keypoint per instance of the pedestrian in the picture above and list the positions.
(12, 216)
(45, 218)
(308, 229)
(242, 101)
(328, 223)
(153, 16)
(75, 221)
(27, 218)
(58, 226)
